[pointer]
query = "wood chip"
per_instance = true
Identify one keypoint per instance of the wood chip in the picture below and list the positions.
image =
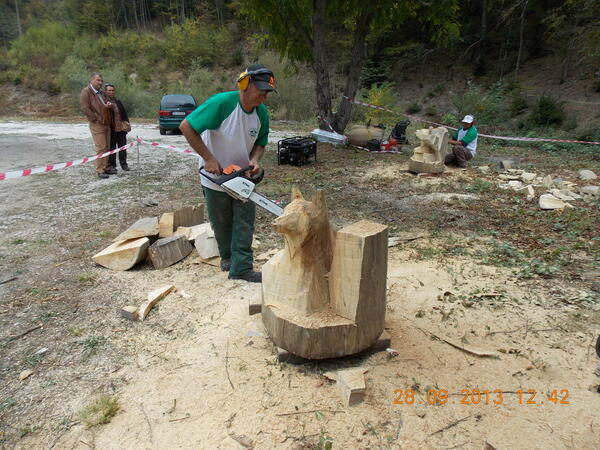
(153, 298)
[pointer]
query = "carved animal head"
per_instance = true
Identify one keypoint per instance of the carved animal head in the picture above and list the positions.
(306, 229)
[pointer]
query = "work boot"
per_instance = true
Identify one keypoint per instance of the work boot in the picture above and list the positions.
(125, 167)
(225, 264)
(251, 276)
(111, 170)
(103, 175)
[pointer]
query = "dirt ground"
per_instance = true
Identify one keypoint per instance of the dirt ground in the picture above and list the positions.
(487, 269)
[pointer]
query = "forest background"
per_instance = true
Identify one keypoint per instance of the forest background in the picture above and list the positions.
(522, 67)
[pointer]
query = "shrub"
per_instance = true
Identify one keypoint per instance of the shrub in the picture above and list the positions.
(73, 76)
(518, 105)
(431, 110)
(207, 43)
(380, 95)
(296, 91)
(489, 107)
(37, 55)
(100, 410)
(547, 111)
(413, 108)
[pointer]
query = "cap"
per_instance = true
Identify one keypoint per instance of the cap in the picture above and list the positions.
(468, 119)
(262, 78)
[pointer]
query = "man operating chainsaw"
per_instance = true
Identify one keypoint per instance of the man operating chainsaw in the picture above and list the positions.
(231, 128)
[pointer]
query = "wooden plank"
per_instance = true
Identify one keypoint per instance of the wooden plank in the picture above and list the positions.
(206, 244)
(192, 233)
(165, 225)
(123, 255)
(146, 227)
(153, 298)
(167, 251)
(187, 216)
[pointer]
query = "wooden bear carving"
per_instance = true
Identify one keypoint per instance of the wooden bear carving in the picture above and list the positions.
(324, 293)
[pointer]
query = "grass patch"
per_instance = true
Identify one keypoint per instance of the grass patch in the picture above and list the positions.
(100, 410)
(86, 278)
(7, 404)
(93, 342)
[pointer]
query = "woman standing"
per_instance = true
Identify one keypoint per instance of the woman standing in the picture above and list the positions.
(119, 131)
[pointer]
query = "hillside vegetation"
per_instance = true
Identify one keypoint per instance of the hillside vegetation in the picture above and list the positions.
(478, 60)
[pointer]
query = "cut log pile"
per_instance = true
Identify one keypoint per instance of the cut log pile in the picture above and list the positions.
(163, 241)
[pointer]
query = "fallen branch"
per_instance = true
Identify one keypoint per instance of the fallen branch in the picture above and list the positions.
(8, 279)
(311, 411)
(187, 416)
(471, 350)
(456, 422)
(227, 368)
(14, 338)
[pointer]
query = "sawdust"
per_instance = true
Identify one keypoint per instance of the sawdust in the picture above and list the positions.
(200, 373)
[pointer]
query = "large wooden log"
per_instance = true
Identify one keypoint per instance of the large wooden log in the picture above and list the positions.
(168, 251)
(123, 255)
(324, 293)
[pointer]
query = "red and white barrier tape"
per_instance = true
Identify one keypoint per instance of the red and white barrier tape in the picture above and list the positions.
(51, 167)
(504, 138)
(187, 151)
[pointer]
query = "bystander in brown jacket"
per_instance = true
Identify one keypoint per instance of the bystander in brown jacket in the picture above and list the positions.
(96, 108)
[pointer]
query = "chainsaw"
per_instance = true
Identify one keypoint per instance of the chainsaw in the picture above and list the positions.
(237, 185)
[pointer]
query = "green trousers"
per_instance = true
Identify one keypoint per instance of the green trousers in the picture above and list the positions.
(233, 224)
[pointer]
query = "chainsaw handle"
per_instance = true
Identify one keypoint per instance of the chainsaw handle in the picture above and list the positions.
(238, 173)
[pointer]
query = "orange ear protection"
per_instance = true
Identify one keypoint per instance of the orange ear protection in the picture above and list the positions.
(244, 79)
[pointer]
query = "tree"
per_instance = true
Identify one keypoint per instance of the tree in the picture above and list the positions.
(327, 33)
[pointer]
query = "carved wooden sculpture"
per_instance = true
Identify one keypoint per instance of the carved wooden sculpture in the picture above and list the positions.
(429, 156)
(324, 293)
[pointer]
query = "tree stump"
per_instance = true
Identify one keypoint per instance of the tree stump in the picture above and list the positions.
(324, 294)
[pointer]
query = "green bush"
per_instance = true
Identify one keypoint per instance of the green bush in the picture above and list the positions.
(547, 111)
(381, 95)
(488, 107)
(518, 105)
(199, 40)
(36, 57)
(296, 90)
(413, 108)
(139, 101)
(73, 76)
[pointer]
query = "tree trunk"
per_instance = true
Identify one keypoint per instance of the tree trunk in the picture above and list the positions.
(566, 65)
(220, 15)
(354, 70)
(123, 10)
(323, 84)
(18, 18)
(481, 47)
(522, 26)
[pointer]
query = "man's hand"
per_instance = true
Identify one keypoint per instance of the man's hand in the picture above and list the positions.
(255, 167)
(212, 166)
